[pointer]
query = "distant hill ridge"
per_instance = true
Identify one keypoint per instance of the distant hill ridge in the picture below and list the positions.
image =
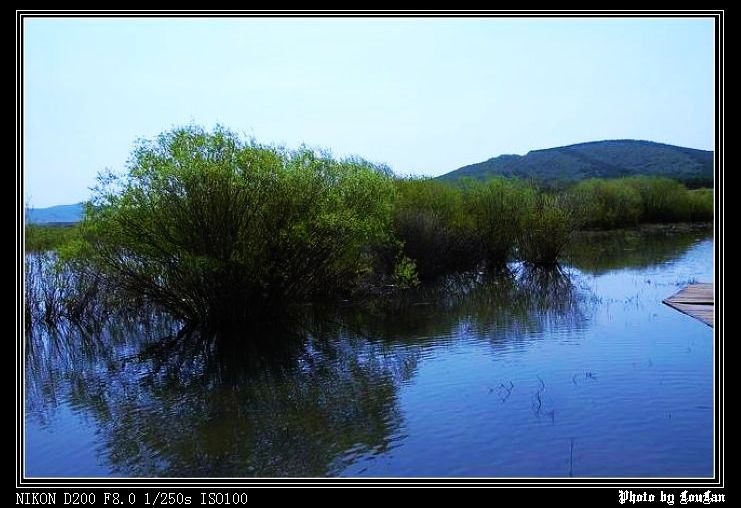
(54, 214)
(598, 159)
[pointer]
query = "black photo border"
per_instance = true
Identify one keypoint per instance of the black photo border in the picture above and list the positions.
(24, 483)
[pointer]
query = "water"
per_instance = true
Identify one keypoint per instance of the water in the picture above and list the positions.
(536, 376)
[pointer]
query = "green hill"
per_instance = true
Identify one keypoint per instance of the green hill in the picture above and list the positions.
(60, 214)
(598, 159)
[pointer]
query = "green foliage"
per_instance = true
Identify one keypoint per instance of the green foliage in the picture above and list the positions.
(609, 203)
(662, 199)
(432, 224)
(701, 203)
(498, 209)
(217, 230)
(629, 201)
(48, 238)
(547, 227)
(405, 273)
(446, 228)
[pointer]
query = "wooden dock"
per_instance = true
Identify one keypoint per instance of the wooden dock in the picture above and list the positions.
(696, 300)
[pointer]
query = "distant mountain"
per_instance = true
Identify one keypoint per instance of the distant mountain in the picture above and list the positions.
(59, 213)
(598, 159)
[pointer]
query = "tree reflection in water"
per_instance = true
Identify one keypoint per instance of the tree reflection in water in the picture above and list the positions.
(515, 305)
(598, 252)
(274, 403)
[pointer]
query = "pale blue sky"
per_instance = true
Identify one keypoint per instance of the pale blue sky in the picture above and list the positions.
(425, 96)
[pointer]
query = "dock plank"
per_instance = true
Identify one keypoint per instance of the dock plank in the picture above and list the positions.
(696, 300)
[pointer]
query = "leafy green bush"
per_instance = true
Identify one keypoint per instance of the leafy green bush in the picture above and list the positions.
(217, 230)
(405, 273)
(608, 203)
(626, 202)
(547, 228)
(498, 208)
(662, 199)
(701, 203)
(433, 228)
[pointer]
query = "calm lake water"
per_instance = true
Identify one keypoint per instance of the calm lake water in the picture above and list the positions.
(533, 375)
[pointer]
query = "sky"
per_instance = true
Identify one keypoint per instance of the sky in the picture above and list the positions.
(424, 96)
